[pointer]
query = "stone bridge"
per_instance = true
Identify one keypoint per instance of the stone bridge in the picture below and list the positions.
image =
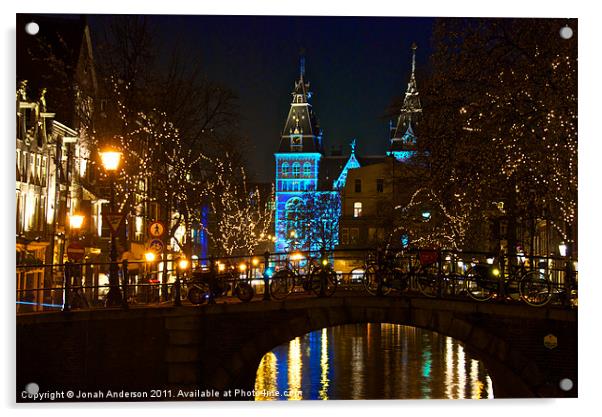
(220, 346)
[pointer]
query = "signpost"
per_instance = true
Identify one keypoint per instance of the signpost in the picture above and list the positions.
(114, 220)
(156, 229)
(76, 251)
(156, 245)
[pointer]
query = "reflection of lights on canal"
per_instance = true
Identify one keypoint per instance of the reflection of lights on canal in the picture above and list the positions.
(266, 377)
(295, 366)
(449, 368)
(353, 361)
(324, 381)
(460, 363)
(357, 367)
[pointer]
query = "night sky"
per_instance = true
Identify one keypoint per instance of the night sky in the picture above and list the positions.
(356, 67)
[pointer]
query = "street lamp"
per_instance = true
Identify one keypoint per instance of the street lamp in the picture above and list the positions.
(76, 221)
(182, 266)
(110, 161)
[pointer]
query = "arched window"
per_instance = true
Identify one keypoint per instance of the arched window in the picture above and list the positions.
(294, 216)
(296, 169)
(306, 169)
(285, 168)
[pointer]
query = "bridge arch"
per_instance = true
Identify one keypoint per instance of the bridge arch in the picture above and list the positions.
(503, 362)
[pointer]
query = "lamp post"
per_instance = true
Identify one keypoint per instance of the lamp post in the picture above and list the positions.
(149, 257)
(110, 161)
(182, 267)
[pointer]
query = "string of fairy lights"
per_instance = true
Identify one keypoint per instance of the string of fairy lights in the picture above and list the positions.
(155, 156)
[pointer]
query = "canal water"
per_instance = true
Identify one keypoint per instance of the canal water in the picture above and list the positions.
(371, 361)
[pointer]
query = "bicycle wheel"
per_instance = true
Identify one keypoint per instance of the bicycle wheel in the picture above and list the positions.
(78, 301)
(535, 288)
(428, 283)
(197, 294)
(245, 292)
(477, 287)
(331, 282)
(372, 276)
(282, 284)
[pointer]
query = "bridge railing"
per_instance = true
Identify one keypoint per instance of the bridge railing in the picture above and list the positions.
(86, 285)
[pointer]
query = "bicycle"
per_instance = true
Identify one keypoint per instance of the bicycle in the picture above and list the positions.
(310, 275)
(485, 281)
(382, 274)
(207, 286)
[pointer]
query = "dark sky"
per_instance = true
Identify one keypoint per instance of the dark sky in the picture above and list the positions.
(356, 66)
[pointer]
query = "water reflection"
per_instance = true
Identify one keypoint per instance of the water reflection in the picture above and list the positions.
(371, 361)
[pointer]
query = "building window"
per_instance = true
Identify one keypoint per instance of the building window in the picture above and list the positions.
(357, 209)
(285, 168)
(44, 171)
(345, 236)
(296, 169)
(358, 186)
(307, 169)
(380, 185)
(354, 235)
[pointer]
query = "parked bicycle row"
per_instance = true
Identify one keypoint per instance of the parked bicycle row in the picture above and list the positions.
(536, 281)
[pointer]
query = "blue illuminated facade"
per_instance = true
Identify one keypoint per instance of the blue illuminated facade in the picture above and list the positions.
(297, 173)
(308, 182)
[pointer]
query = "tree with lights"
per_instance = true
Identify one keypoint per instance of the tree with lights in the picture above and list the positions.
(500, 121)
(317, 224)
(242, 216)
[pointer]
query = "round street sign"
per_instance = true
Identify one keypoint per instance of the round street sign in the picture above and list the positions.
(156, 229)
(550, 341)
(76, 251)
(156, 245)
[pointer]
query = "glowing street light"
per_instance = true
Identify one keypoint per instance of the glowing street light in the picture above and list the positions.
(110, 159)
(183, 264)
(150, 256)
(76, 221)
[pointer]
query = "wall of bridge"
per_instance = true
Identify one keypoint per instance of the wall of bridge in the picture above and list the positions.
(219, 347)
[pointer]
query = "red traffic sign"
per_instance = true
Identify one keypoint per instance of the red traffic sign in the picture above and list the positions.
(114, 220)
(76, 251)
(156, 229)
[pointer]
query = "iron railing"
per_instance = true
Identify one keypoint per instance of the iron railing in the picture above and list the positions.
(85, 285)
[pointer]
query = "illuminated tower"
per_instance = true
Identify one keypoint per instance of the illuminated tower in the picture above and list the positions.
(403, 140)
(297, 165)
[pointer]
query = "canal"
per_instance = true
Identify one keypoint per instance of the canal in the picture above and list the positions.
(371, 361)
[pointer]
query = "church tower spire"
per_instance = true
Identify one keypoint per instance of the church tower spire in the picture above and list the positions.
(301, 131)
(403, 140)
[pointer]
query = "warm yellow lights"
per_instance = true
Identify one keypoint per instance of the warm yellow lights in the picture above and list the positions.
(221, 267)
(76, 221)
(242, 266)
(255, 261)
(183, 264)
(324, 262)
(495, 272)
(297, 256)
(149, 256)
(110, 159)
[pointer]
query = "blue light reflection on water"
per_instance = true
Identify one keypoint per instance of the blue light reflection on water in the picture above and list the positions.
(371, 361)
